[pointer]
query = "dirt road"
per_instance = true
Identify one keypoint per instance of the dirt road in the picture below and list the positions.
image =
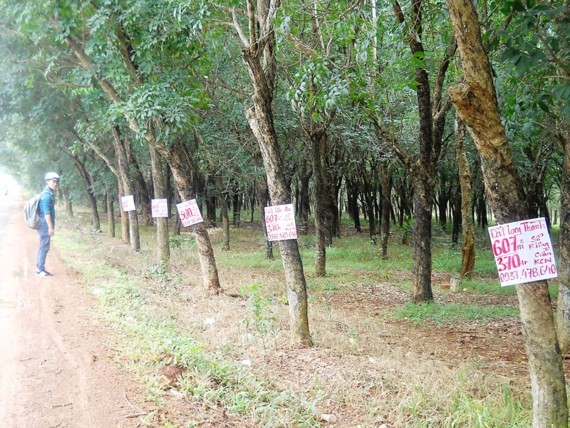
(54, 368)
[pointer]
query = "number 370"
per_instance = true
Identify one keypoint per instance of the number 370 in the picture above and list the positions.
(508, 262)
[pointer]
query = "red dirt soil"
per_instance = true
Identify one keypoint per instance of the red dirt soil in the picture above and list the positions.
(54, 368)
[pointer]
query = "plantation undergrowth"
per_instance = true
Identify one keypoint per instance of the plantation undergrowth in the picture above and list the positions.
(377, 360)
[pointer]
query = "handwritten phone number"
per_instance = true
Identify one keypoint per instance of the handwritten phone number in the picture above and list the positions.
(528, 273)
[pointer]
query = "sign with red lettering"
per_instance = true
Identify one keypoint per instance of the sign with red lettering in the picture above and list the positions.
(280, 222)
(189, 213)
(128, 203)
(523, 251)
(159, 207)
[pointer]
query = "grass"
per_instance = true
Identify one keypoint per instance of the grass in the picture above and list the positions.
(149, 341)
(366, 367)
(451, 313)
(462, 409)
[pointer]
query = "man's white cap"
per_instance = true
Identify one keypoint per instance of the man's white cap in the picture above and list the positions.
(51, 176)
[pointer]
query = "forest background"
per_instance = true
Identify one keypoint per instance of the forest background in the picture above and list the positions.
(339, 107)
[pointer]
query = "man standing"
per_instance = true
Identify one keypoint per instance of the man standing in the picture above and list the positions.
(46, 211)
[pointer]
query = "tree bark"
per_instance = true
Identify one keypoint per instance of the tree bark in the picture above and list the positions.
(323, 218)
(442, 202)
(468, 242)
(386, 209)
(457, 217)
(236, 205)
(211, 201)
(423, 198)
(121, 153)
(563, 307)
(67, 205)
(265, 201)
(305, 174)
(142, 191)
(124, 216)
(367, 183)
(110, 214)
(475, 100)
(219, 181)
(91, 200)
(158, 183)
(352, 202)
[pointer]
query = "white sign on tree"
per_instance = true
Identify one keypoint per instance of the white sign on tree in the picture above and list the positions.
(128, 203)
(189, 213)
(523, 251)
(280, 222)
(159, 207)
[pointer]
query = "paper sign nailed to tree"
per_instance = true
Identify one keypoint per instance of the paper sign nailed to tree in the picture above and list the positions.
(523, 251)
(189, 213)
(159, 207)
(280, 222)
(128, 203)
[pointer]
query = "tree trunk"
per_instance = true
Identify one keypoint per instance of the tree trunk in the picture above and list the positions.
(260, 119)
(423, 198)
(352, 202)
(121, 153)
(424, 166)
(386, 208)
(261, 123)
(335, 186)
(323, 217)
(468, 242)
(110, 214)
(160, 193)
(424, 171)
(305, 174)
(109, 198)
(142, 191)
(219, 181)
(91, 200)
(368, 184)
(211, 201)
(122, 214)
(236, 204)
(178, 158)
(482, 220)
(456, 215)
(476, 103)
(67, 205)
(563, 307)
(264, 196)
(252, 201)
(442, 205)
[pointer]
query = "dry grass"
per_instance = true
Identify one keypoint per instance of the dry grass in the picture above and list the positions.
(365, 368)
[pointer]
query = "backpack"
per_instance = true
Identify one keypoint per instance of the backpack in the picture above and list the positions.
(31, 216)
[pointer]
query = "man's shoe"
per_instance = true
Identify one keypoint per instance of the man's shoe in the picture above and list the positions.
(43, 273)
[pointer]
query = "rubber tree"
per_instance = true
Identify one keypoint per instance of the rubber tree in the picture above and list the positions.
(258, 53)
(46, 118)
(176, 153)
(432, 111)
(421, 159)
(467, 228)
(475, 100)
(563, 307)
